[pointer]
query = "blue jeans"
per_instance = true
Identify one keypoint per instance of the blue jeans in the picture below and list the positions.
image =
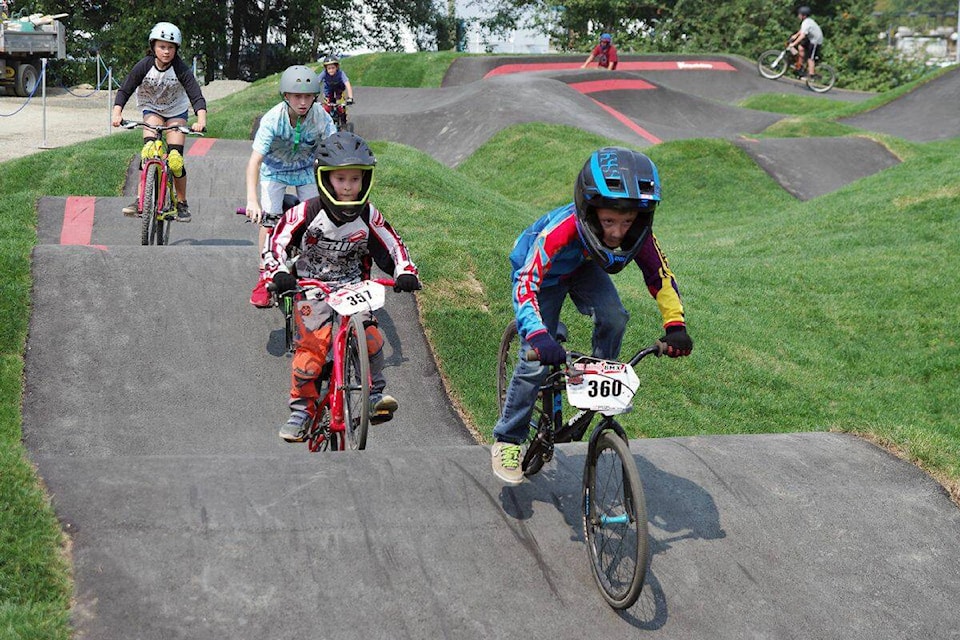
(592, 291)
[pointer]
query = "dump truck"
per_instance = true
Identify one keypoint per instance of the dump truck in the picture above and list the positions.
(24, 42)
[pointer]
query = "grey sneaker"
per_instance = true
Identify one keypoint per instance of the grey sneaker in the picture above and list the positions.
(295, 428)
(183, 212)
(132, 209)
(506, 462)
(382, 408)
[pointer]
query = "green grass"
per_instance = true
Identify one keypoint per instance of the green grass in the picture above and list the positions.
(833, 314)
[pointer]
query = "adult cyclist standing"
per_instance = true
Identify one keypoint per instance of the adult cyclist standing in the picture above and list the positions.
(808, 39)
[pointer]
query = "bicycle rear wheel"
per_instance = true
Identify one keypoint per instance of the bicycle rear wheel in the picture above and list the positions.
(772, 63)
(506, 361)
(615, 520)
(823, 80)
(356, 386)
(151, 205)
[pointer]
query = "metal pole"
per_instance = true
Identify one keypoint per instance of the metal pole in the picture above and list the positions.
(957, 41)
(43, 101)
(109, 100)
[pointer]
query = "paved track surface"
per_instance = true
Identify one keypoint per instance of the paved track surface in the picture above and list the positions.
(154, 392)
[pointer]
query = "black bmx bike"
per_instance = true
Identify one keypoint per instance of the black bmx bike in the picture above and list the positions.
(613, 505)
(774, 63)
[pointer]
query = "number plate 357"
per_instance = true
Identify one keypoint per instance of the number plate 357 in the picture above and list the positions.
(354, 298)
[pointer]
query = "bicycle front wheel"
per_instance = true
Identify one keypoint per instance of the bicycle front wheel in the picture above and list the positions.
(615, 521)
(151, 206)
(823, 80)
(356, 385)
(772, 63)
(166, 219)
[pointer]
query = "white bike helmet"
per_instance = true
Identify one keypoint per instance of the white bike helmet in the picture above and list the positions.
(167, 32)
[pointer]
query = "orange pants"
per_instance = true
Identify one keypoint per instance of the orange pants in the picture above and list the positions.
(314, 333)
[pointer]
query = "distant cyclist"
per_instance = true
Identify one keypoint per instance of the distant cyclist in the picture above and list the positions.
(605, 54)
(336, 84)
(808, 39)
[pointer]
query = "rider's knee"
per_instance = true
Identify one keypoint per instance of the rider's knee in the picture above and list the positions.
(374, 338)
(175, 160)
(150, 148)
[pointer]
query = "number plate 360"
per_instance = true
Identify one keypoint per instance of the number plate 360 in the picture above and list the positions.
(603, 386)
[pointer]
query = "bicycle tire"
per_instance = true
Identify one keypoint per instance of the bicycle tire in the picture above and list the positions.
(289, 329)
(772, 63)
(356, 386)
(506, 361)
(169, 209)
(615, 520)
(148, 224)
(823, 80)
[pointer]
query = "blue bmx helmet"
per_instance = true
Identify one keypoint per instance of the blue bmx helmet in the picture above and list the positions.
(620, 179)
(605, 37)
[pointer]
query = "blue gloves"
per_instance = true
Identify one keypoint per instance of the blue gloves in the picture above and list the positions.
(283, 282)
(678, 343)
(406, 282)
(547, 348)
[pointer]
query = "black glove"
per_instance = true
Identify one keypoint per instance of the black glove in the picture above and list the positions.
(676, 342)
(349, 100)
(406, 282)
(547, 348)
(283, 282)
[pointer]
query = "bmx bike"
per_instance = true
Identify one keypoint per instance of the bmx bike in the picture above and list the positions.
(157, 195)
(613, 505)
(340, 417)
(338, 112)
(774, 63)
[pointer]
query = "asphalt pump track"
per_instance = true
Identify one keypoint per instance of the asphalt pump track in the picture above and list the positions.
(154, 390)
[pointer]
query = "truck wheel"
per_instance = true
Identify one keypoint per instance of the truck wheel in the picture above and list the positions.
(26, 81)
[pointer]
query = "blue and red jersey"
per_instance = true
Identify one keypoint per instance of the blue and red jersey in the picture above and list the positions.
(550, 250)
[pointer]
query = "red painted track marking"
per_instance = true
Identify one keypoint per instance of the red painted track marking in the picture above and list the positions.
(629, 123)
(77, 220)
(200, 146)
(649, 65)
(611, 85)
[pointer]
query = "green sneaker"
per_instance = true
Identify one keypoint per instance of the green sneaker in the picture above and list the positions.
(506, 462)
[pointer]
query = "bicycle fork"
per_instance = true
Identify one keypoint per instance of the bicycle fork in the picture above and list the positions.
(629, 514)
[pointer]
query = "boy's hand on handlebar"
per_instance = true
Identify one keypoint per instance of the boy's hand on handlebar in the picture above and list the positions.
(547, 348)
(283, 282)
(677, 343)
(253, 211)
(406, 282)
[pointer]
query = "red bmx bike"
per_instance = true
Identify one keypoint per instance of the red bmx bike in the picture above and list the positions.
(340, 417)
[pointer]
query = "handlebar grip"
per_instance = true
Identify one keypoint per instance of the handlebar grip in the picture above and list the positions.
(241, 211)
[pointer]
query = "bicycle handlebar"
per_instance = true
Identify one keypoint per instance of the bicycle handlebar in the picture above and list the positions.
(158, 128)
(658, 348)
(305, 284)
